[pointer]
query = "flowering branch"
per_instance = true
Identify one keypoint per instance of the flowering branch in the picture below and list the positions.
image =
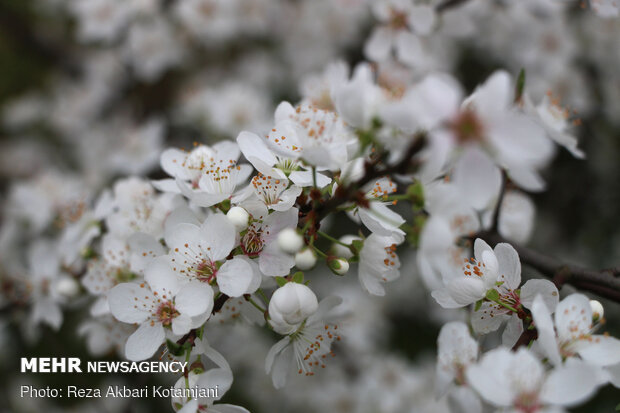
(605, 282)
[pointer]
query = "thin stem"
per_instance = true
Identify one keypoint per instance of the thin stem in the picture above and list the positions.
(332, 239)
(258, 307)
(514, 310)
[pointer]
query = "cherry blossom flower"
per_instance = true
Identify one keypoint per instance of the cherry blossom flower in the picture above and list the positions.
(200, 253)
(573, 333)
(519, 381)
(306, 347)
(379, 263)
(160, 303)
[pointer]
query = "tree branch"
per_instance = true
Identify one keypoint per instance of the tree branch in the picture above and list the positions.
(605, 282)
(448, 4)
(348, 193)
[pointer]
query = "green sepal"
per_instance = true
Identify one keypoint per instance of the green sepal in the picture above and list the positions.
(478, 305)
(298, 277)
(281, 281)
(492, 295)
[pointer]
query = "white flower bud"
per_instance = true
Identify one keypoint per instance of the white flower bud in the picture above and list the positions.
(339, 266)
(290, 241)
(305, 259)
(292, 303)
(239, 217)
(341, 250)
(597, 310)
(66, 287)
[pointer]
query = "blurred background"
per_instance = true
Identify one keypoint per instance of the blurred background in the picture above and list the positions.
(94, 90)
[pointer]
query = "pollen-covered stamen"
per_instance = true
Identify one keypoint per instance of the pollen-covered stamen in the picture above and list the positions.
(391, 258)
(312, 346)
(382, 189)
(527, 402)
(221, 176)
(252, 243)
(398, 19)
(205, 271)
(468, 127)
(166, 313)
(287, 165)
(560, 113)
(473, 268)
(268, 188)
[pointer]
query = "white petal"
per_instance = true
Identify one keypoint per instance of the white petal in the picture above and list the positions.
(573, 317)
(194, 299)
(181, 325)
(478, 178)
(512, 332)
(546, 333)
(570, 384)
(145, 341)
(509, 265)
(491, 377)
(601, 350)
(466, 290)
(545, 288)
(161, 277)
(219, 236)
(488, 318)
(124, 306)
(236, 278)
(379, 45)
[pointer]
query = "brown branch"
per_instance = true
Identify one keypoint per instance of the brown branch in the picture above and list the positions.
(498, 206)
(448, 4)
(605, 282)
(350, 192)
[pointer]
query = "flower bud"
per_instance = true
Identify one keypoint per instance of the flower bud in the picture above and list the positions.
(305, 259)
(239, 217)
(341, 250)
(290, 241)
(292, 303)
(597, 310)
(339, 266)
(67, 287)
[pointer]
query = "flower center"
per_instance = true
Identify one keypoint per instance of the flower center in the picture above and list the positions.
(166, 313)
(398, 19)
(252, 243)
(206, 271)
(467, 127)
(527, 402)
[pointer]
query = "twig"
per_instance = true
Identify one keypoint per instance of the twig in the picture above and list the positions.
(448, 4)
(605, 282)
(498, 206)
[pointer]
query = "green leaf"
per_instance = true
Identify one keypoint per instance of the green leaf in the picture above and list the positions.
(356, 246)
(520, 86)
(415, 192)
(174, 348)
(492, 295)
(298, 277)
(478, 305)
(281, 281)
(618, 407)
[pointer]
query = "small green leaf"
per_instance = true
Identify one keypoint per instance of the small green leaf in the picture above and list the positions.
(618, 407)
(356, 246)
(281, 281)
(520, 86)
(415, 192)
(492, 295)
(298, 277)
(174, 348)
(478, 305)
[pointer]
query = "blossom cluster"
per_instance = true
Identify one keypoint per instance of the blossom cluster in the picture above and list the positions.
(289, 216)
